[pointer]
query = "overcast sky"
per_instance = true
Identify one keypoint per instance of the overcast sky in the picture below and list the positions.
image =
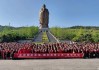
(63, 13)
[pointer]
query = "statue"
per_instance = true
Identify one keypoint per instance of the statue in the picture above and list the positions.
(44, 17)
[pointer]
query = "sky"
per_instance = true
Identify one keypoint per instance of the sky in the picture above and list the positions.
(63, 13)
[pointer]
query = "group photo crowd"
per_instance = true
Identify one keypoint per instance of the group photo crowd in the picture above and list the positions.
(7, 50)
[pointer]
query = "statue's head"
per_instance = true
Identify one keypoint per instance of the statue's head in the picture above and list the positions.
(44, 6)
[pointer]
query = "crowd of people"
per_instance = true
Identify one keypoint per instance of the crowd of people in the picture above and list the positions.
(90, 50)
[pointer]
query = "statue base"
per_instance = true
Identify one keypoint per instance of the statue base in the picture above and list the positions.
(44, 30)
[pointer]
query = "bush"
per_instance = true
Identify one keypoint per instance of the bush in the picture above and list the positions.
(78, 35)
(18, 34)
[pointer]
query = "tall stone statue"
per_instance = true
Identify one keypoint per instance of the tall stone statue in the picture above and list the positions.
(44, 17)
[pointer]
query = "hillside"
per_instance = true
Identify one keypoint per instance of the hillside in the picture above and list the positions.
(75, 33)
(10, 34)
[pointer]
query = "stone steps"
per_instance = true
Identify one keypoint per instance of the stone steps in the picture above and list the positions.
(49, 35)
(38, 37)
(45, 37)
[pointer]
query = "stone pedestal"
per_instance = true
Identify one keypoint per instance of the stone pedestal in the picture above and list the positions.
(44, 30)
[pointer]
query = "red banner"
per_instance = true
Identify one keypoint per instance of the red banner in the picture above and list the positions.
(48, 55)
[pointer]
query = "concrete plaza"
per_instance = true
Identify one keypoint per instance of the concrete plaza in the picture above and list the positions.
(50, 64)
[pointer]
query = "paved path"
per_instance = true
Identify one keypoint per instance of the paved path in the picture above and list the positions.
(50, 64)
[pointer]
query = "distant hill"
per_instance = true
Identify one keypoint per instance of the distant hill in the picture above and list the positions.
(9, 27)
(85, 27)
(6, 27)
(73, 27)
